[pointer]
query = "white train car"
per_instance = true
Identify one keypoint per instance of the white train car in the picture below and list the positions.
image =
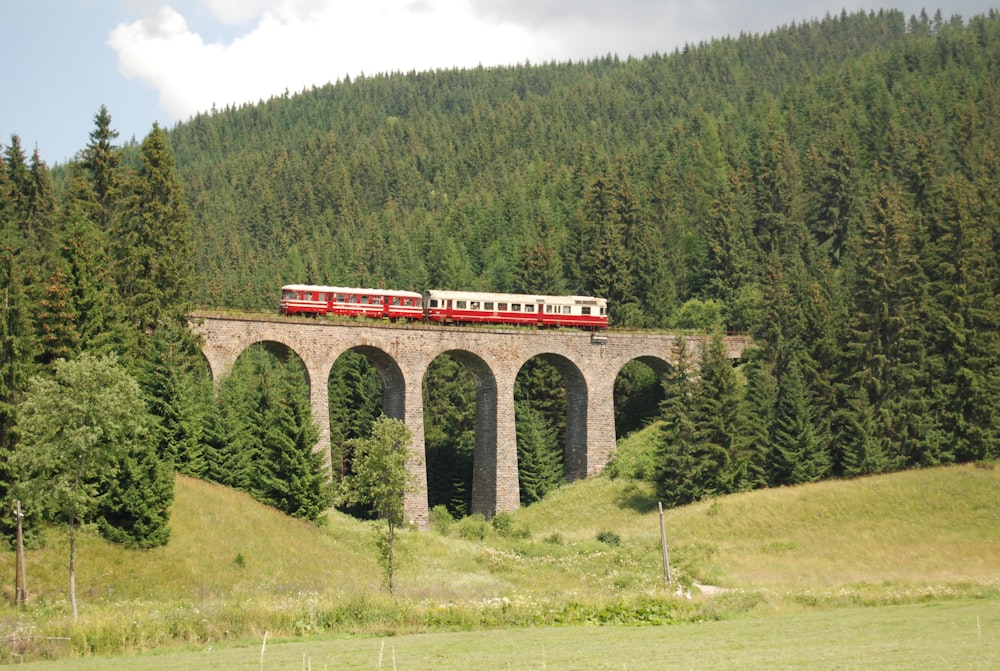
(476, 307)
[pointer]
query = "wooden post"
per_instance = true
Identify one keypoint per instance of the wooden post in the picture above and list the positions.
(20, 578)
(663, 546)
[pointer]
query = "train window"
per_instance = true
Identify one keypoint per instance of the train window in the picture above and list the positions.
(566, 310)
(352, 299)
(515, 307)
(473, 305)
(341, 298)
(376, 300)
(585, 310)
(502, 307)
(434, 302)
(529, 308)
(488, 305)
(459, 305)
(548, 309)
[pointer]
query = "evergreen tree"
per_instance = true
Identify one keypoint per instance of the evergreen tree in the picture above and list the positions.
(153, 247)
(102, 160)
(137, 491)
(56, 320)
(862, 449)
(539, 269)
(16, 363)
(41, 202)
(603, 264)
(539, 467)
(291, 474)
(449, 400)
(797, 454)
(677, 482)
(177, 397)
(761, 400)
(99, 317)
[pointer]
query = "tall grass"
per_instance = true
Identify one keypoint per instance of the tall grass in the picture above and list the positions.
(235, 569)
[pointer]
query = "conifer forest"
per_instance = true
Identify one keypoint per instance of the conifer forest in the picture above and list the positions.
(831, 188)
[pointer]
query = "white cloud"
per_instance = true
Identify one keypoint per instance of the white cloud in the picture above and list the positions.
(298, 43)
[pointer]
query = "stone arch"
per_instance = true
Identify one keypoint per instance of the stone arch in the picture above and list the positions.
(647, 382)
(393, 384)
(494, 459)
(575, 448)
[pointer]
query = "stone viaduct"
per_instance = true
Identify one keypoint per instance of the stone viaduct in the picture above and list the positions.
(588, 362)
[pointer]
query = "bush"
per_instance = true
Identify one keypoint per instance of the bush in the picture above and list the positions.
(609, 537)
(441, 520)
(503, 525)
(472, 528)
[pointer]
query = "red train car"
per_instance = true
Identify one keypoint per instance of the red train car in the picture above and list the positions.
(474, 307)
(312, 299)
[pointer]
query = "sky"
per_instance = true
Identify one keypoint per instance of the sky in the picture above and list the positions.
(167, 60)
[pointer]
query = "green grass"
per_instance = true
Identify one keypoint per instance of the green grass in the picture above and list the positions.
(959, 634)
(922, 546)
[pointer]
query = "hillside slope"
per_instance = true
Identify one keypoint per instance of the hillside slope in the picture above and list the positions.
(912, 529)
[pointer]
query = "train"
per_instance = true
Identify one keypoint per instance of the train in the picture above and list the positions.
(446, 307)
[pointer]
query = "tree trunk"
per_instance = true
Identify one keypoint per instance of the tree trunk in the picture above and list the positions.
(389, 563)
(72, 566)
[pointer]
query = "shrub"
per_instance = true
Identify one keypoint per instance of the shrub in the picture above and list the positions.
(609, 537)
(472, 528)
(503, 525)
(441, 520)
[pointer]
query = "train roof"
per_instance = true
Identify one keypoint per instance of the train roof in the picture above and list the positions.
(514, 298)
(351, 290)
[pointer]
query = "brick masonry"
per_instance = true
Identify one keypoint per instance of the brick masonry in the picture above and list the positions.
(589, 364)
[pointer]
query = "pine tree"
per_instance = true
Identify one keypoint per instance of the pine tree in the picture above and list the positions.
(137, 491)
(539, 269)
(291, 474)
(56, 320)
(153, 247)
(100, 319)
(761, 401)
(603, 263)
(539, 467)
(176, 397)
(797, 454)
(676, 463)
(102, 160)
(16, 362)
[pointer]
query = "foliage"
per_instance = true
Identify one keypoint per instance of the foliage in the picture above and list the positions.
(379, 477)
(262, 437)
(83, 428)
(829, 187)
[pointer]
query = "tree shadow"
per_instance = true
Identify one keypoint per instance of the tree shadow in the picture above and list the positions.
(639, 499)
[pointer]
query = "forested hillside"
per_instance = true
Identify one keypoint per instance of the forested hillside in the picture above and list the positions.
(830, 187)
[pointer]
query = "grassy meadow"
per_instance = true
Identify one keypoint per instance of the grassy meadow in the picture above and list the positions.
(894, 571)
